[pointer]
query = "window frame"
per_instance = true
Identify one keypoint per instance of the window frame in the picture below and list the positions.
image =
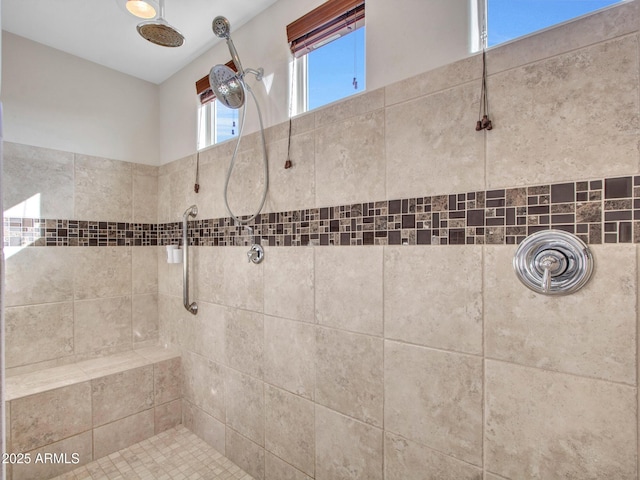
(332, 19)
(207, 97)
(480, 30)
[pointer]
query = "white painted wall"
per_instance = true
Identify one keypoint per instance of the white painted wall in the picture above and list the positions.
(403, 38)
(56, 100)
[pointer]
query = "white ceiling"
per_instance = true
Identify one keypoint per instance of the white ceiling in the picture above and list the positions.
(103, 32)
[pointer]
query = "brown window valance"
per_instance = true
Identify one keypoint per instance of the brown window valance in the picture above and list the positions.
(331, 19)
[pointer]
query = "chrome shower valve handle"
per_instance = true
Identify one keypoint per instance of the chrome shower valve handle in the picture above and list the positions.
(255, 254)
(553, 262)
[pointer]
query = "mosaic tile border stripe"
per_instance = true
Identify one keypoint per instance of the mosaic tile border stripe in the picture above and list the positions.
(40, 232)
(598, 211)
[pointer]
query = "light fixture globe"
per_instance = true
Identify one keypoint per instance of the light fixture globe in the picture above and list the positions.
(145, 9)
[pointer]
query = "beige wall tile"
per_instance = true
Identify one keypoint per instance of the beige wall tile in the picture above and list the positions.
(38, 333)
(289, 355)
(542, 424)
(349, 288)
(172, 321)
(204, 384)
(288, 276)
(222, 275)
(346, 449)
(432, 81)
(122, 433)
(8, 447)
(292, 188)
(78, 444)
(175, 189)
(591, 332)
(145, 194)
(167, 416)
(349, 107)
(102, 272)
(244, 338)
(443, 309)
(245, 414)
(167, 380)
(246, 183)
(434, 398)
(122, 394)
(39, 275)
(591, 29)
(244, 453)
(144, 262)
(351, 162)
(491, 476)
(158, 353)
(144, 318)
(103, 189)
(438, 150)
(170, 274)
(38, 420)
(290, 428)
(349, 375)
(214, 163)
(407, 460)
(37, 181)
(554, 122)
(277, 469)
(210, 325)
(102, 324)
(203, 425)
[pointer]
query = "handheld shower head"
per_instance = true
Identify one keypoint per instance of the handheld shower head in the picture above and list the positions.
(229, 86)
(221, 27)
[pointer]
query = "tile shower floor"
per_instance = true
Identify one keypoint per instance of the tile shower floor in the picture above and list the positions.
(177, 454)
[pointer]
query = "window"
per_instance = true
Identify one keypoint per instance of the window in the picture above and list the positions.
(328, 44)
(216, 122)
(509, 19)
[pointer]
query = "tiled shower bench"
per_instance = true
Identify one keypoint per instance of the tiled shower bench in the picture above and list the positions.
(87, 410)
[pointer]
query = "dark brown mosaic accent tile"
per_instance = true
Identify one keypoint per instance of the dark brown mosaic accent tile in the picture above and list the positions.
(601, 210)
(618, 187)
(21, 232)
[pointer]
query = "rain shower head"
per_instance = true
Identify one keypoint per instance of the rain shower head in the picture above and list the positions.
(221, 27)
(158, 31)
(161, 33)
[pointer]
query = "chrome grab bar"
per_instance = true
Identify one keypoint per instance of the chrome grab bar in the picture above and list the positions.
(192, 211)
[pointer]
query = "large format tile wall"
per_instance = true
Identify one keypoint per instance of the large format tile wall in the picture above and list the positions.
(411, 361)
(70, 304)
(379, 361)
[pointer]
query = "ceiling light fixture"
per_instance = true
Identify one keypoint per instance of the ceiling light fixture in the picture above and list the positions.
(142, 8)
